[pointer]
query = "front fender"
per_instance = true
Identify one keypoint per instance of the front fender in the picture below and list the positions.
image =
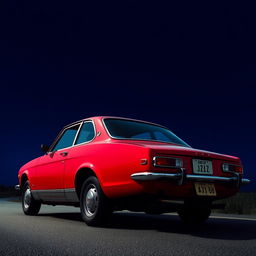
(22, 173)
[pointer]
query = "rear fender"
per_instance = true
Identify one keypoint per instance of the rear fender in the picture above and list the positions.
(93, 168)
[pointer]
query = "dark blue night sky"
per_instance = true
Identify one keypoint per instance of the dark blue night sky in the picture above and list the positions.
(188, 66)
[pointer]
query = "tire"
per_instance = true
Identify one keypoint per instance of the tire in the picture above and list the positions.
(29, 205)
(194, 215)
(94, 205)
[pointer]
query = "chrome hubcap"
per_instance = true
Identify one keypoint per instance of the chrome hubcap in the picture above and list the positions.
(91, 201)
(27, 198)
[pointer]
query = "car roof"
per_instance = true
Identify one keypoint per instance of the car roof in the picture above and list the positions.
(111, 117)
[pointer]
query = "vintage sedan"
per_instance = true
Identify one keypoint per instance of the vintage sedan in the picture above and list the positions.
(103, 164)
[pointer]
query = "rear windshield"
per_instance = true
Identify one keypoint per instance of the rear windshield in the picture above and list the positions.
(133, 130)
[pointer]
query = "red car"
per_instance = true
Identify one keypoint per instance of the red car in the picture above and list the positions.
(103, 164)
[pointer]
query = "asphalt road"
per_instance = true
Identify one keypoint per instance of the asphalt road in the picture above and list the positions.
(60, 231)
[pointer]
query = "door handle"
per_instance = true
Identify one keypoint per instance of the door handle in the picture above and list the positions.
(64, 154)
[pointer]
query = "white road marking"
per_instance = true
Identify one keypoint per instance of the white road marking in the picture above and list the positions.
(223, 217)
(232, 218)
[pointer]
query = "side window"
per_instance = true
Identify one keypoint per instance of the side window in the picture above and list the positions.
(67, 138)
(160, 136)
(143, 136)
(86, 133)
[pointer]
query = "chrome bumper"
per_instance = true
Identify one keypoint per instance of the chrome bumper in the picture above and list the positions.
(181, 177)
(17, 187)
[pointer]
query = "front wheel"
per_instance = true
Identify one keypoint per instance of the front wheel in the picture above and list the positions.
(29, 205)
(94, 205)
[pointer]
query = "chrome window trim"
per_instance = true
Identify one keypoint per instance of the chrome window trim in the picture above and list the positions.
(80, 123)
(138, 121)
(94, 130)
(78, 130)
(166, 166)
(60, 135)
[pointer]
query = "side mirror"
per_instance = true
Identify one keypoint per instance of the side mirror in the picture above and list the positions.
(45, 148)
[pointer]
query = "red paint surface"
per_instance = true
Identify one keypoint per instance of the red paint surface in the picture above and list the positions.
(113, 161)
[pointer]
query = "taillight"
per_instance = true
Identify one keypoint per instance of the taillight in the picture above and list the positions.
(163, 161)
(232, 168)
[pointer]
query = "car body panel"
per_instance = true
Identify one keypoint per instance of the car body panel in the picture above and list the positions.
(114, 161)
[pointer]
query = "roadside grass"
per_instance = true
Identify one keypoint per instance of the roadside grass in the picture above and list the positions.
(242, 203)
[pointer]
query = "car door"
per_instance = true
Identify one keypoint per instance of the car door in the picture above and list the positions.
(49, 185)
(76, 157)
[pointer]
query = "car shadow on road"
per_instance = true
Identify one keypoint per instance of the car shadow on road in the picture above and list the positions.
(215, 228)
(225, 229)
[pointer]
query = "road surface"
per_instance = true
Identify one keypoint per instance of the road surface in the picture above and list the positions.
(60, 231)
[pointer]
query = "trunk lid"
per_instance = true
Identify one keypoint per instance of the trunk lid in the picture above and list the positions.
(159, 148)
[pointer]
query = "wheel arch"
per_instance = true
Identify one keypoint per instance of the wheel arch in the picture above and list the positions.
(82, 174)
(24, 178)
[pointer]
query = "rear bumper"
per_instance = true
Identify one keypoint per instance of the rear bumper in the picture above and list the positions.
(181, 177)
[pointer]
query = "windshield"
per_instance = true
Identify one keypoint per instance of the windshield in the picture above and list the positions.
(126, 129)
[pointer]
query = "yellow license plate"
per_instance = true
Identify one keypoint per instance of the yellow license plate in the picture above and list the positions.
(205, 189)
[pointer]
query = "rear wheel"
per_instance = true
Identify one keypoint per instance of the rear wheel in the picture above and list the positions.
(29, 205)
(194, 214)
(94, 205)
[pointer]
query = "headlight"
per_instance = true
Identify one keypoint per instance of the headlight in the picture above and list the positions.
(232, 168)
(163, 161)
